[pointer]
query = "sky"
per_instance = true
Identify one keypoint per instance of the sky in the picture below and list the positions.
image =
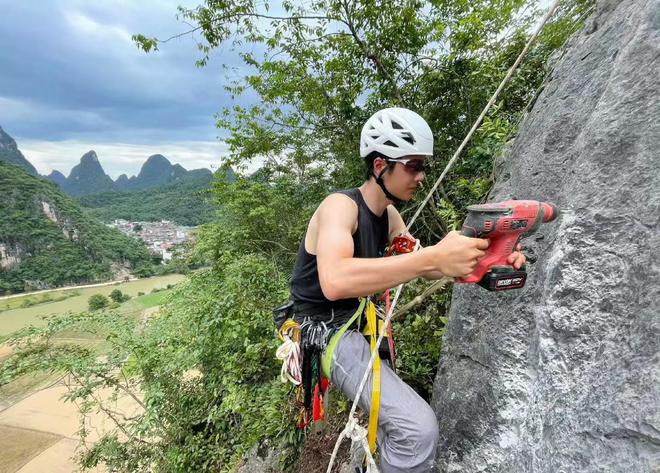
(72, 80)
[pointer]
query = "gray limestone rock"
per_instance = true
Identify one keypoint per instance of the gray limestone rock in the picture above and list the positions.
(564, 375)
(262, 458)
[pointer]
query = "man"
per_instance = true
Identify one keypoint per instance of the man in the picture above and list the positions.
(338, 262)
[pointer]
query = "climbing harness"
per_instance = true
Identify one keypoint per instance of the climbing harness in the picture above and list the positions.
(326, 359)
(352, 422)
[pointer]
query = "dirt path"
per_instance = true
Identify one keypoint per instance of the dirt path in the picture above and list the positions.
(109, 283)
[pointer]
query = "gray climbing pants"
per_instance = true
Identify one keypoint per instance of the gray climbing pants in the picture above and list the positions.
(407, 427)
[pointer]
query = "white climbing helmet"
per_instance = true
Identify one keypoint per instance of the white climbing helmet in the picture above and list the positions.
(396, 132)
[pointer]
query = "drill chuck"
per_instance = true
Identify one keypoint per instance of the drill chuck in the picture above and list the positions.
(550, 212)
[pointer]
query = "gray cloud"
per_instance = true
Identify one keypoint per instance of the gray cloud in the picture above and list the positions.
(70, 73)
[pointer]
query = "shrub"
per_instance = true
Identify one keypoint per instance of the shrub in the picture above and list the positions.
(117, 296)
(97, 301)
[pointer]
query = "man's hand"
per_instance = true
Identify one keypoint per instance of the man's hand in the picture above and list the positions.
(517, 259)
(457, 255)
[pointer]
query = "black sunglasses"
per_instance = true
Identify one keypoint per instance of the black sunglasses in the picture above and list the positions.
(412, 165)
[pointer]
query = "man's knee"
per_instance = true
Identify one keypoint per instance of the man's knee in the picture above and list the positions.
(427, 434)
(412, 448)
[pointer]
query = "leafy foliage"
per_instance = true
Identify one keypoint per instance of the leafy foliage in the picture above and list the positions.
(184, 204)
(264, 215)
(65, 247)
(117, 296)
(98, 301)
(203, 372)
(320, 69)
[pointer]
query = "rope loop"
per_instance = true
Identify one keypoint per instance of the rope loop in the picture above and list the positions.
(289, 353)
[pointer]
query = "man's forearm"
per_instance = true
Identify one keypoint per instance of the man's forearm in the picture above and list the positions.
(433, 275)
(357, 277)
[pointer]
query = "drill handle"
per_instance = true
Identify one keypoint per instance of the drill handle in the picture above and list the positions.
(482, 220)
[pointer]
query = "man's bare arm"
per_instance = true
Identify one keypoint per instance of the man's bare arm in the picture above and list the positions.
(342, 276)
(398, 227)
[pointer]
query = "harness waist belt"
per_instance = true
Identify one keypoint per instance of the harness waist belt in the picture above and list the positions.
(337, 313)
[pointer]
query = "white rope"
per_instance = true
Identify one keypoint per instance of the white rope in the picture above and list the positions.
(351, 415)
(358, 436)
(289, 353)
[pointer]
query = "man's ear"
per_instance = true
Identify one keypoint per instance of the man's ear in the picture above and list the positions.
(379, 165)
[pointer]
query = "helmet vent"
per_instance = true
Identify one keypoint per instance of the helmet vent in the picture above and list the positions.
(408, 137)
(396, 126)
(389, 143)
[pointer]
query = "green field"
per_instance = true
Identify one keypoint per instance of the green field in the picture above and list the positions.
(36, 299)
(17, 317)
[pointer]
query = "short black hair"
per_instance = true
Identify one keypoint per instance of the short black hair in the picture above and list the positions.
(369, 163)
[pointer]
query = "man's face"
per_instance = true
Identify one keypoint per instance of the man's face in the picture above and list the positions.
(406, 176)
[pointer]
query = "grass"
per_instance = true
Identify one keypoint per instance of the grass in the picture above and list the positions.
(30, 301)
(153, 299)
(23, 316)
(19, 317)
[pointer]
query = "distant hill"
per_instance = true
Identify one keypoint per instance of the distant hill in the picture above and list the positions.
(160, 191)
(88, 177)
(158, 171)
(182, 203)
(9, 153)
(58, 178)
(46, 240)
(181, 199)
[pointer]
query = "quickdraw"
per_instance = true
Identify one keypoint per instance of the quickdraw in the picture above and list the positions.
(300, 353)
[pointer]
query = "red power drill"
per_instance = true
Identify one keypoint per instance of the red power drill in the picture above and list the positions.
(503, 223)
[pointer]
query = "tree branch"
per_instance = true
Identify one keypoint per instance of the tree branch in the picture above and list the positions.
(372, 56)
(432, 289)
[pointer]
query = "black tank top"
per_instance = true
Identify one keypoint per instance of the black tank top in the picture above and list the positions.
(369, 241)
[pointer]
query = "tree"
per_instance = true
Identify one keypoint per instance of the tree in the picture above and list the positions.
(322, 67)
(117, 296)
(97, 301)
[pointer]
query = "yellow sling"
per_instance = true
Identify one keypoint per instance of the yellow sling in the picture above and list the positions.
(372, 332)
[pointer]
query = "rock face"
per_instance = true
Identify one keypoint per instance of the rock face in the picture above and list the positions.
(88, 177)
(156, 171)
(57, 177)
(564, 375)
(9, 153)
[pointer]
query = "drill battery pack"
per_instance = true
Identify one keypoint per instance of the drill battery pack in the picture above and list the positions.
(501, 278)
